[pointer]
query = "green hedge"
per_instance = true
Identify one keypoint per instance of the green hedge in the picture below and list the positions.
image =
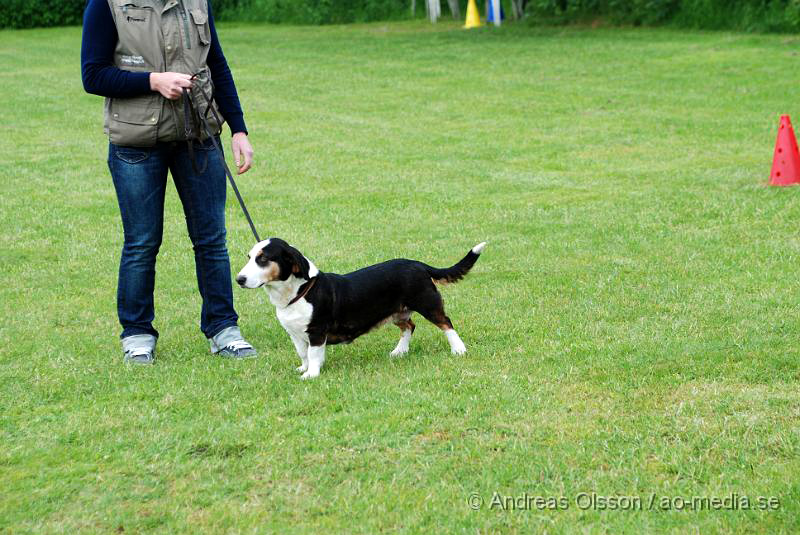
(745, 15)
(33, 13)
(320, 11)
(37, 13)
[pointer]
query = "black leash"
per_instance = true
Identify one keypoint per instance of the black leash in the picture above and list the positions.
(194, 124)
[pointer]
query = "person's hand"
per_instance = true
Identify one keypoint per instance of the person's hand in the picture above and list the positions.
(242, 152)
(170, 84)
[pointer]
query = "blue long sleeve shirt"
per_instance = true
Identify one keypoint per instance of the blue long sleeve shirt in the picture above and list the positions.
(101, 77)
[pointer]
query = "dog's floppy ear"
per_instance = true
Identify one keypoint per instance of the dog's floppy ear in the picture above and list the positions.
(297, 261)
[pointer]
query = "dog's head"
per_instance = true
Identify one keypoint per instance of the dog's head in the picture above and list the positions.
(274, 260)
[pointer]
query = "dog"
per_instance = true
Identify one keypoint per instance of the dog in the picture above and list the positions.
(317, 309)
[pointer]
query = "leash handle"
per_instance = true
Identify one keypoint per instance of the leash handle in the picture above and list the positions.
(189, 126)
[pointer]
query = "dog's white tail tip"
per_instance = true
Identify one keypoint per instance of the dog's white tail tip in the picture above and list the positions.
(478, 249)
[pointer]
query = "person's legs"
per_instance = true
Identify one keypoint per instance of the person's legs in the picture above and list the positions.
(203, 198)
(140, 176)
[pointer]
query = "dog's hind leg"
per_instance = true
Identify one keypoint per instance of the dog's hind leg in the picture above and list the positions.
(302, 351)
(316, 358)
(403, 321)
(431, 307)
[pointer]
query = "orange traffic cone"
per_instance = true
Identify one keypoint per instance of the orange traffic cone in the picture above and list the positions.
(786, 162)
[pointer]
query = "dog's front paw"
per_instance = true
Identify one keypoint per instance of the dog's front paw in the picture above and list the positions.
(302, 368)
(310, 374)
(459, 349)
(399, 351)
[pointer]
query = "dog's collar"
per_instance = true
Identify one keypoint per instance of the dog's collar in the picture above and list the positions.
(302, 294)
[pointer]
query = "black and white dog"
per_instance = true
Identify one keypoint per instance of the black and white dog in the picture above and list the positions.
(319, 308)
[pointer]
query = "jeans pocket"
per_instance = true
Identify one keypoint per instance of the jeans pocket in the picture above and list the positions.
(207, 145)
(131, 155)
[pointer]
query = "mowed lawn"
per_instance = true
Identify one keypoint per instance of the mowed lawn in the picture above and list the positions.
(632, 326)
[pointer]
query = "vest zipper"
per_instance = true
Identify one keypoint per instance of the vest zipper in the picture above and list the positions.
(186, 27)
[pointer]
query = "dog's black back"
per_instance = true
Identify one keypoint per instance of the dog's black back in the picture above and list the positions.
(347, 306)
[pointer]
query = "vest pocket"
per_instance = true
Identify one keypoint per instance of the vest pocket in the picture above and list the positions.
(201, 22)
(134, 121)
(132, 14)
(138, 30)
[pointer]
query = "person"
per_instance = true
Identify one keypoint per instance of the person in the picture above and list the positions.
(140, 55)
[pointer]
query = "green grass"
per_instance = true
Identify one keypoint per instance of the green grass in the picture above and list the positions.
(632, 326)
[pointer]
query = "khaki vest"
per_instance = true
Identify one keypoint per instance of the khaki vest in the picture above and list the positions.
(158, 36)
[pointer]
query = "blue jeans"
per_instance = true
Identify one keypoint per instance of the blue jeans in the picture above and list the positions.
(140, 178)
